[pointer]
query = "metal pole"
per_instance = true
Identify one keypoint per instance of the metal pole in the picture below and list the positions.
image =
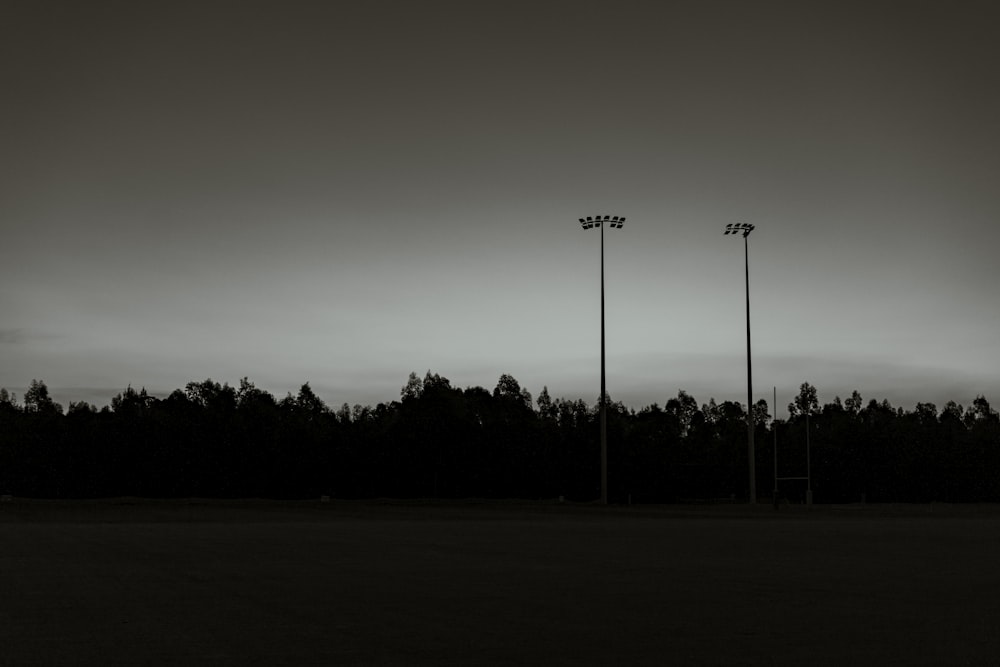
(590, 223)
(774, 432)
(750, 448)
(603, 406)
(809, 493)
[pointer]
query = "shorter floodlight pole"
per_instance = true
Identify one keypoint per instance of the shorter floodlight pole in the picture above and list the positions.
(616, 222)
(745, 229)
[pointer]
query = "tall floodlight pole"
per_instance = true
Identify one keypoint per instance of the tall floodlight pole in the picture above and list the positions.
(745, 229)
(615, 222)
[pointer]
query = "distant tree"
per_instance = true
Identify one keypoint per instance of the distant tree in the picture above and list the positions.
(434, 382)
(683, 408)
(876, 411)
(926, 413)
(287, 404)
(855, 403)
(37, 399)
(526, 397)
(8, 399)
(761, 416)
(805, 403)
(710, 411)
(546, 409)
(309, 403)
(413, 388)
(80, 407)
(132, 400)
(248, 396)
(980, 412)
(731, 411)
(510, 389)
(572, 414)
(210, 394)
(360, 412)
(952, 413)
(886, 406)
(507, 387)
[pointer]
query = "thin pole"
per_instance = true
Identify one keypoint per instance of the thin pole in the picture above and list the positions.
(774, 432)
(750, 449)
(809, 493)
(603, 406)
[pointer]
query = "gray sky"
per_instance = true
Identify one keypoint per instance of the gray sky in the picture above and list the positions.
(341, 193)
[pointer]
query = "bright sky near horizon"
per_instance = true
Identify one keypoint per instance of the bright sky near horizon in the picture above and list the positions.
(342, 193)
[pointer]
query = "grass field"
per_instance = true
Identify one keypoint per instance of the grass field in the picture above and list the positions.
(265, 583)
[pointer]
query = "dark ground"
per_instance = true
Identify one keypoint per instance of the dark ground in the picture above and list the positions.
(266, 583)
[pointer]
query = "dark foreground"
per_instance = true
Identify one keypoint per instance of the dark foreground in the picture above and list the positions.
(258, 583)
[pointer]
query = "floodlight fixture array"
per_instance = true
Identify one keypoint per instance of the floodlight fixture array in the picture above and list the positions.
(738, 228)
(613, 221)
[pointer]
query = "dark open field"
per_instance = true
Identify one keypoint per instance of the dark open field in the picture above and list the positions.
(263, 583)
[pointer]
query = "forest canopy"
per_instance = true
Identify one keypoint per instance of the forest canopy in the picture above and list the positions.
(439, 441)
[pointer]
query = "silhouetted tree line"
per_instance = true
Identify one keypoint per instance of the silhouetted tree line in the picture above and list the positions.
(215, 440)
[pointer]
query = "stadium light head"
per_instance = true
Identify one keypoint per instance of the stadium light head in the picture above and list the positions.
(739, 228)
(613, 221)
